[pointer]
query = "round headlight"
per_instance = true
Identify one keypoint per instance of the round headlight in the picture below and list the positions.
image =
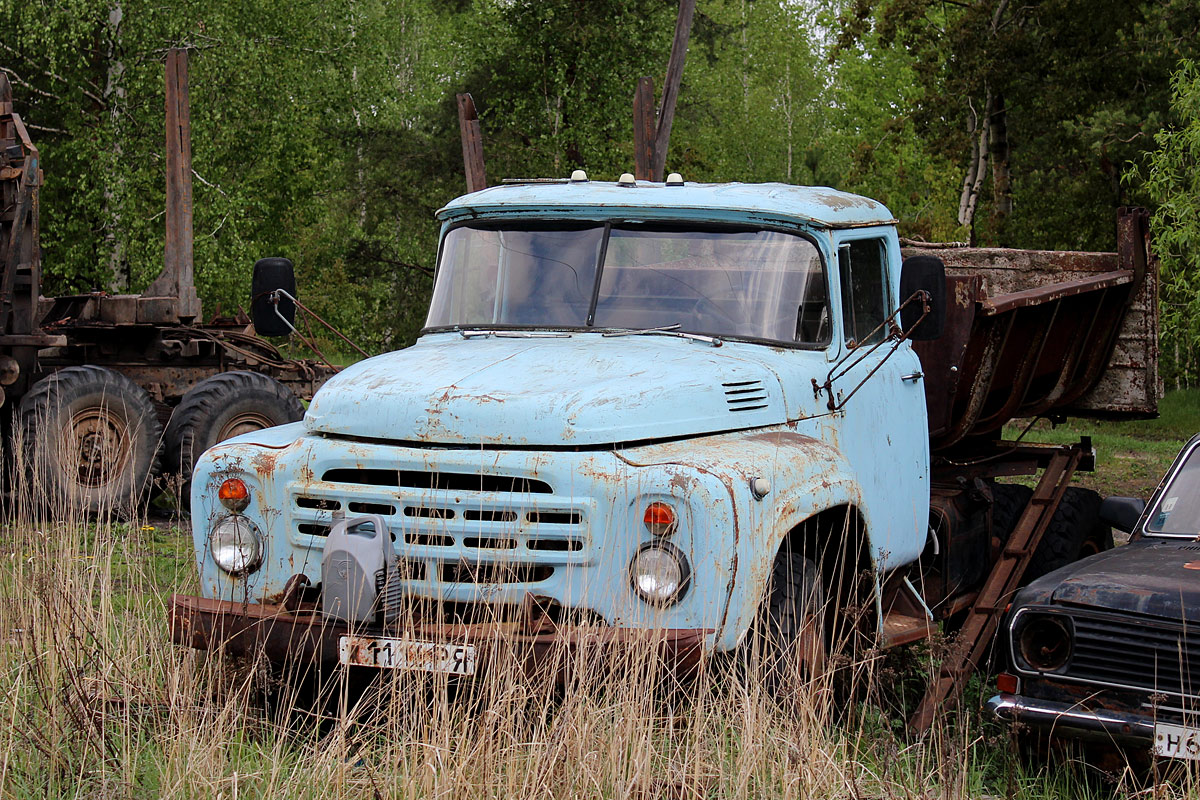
(659, 572)
(236, 545)
(1045, 642)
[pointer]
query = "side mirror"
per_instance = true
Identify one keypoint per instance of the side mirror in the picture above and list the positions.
(270, 275)
(928, 274)
(1122, 512)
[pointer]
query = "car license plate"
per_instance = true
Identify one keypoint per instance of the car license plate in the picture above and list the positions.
(388, 653)
(1176, 741)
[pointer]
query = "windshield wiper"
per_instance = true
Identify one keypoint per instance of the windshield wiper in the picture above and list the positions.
(665, 330)
(514, 334)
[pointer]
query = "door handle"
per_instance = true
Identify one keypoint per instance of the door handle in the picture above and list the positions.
(914, 377)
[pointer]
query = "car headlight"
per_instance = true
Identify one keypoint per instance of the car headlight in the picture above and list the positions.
(659, 572)
(1044, 642)
(236, 545)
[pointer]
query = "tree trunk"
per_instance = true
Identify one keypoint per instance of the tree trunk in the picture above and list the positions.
(977, 128)
(1001, 175)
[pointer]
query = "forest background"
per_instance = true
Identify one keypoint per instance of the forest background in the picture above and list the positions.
(326, 130)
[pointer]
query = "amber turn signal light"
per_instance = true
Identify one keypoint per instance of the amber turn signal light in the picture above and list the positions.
(659, 519)
(234, 495)
(1008, 684)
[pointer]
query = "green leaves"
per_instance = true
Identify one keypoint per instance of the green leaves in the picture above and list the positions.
(1173, 181)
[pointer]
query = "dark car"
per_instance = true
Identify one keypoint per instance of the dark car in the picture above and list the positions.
(1109, 647)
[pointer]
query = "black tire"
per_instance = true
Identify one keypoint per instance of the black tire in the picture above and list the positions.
(1075, 531)
(1008, 501)
(225, 405)
(788, 640)
(91, 437)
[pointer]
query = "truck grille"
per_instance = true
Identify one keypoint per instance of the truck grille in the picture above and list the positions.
(1117, 651)
(453, 527)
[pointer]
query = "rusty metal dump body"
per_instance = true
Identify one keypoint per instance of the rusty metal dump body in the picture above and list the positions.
(527, 463)
(1129, 635)
(1036, 332)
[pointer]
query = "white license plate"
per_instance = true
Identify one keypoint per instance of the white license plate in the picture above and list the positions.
(1176, 741)
(388, 653)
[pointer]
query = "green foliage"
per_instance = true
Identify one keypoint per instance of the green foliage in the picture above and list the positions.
(1080, 90)
(1173, 181)
(326, 131)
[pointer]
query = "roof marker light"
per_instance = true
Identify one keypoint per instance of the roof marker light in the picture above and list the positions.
(626, 179)
(579, 176)
(674, 179)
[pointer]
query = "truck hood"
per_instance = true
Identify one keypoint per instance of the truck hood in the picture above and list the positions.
(1155, 577)
(581, 390)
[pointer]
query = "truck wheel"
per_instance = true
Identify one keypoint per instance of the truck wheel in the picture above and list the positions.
(1008, 501)
(789, 636)
(1075, 531)
(223, 406)
(91, 436)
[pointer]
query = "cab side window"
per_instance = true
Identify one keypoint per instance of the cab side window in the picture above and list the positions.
(862, 265)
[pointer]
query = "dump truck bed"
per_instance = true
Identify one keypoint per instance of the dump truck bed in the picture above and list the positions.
(1033, 333)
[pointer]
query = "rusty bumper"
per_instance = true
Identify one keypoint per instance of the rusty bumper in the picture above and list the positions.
(306, 637)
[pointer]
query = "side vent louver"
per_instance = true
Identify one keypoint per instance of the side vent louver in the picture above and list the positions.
(745, 395)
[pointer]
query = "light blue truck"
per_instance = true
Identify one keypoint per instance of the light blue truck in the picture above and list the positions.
(669, 410)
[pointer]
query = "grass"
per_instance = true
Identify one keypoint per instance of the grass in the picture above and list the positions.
(1131, 456)
(96, 702)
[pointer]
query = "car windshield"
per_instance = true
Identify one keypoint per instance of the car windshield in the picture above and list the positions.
(1178, 510)
(752, 284)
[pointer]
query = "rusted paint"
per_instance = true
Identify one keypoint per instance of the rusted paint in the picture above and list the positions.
(264, 463)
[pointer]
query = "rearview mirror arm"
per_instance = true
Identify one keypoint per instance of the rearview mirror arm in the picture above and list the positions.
(897, 337)
(274, 300)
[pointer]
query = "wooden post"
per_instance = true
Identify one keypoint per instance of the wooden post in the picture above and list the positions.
(643, 130)
(472, 143)
(666, 116)
(177, 279)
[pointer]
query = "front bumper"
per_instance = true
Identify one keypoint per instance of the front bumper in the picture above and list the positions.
(305, 637)
(1071, 720)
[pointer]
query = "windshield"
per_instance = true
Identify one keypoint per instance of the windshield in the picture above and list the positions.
(739, 283)
(1178, 509)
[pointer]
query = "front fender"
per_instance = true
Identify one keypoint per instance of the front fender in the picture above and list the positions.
(806, 476)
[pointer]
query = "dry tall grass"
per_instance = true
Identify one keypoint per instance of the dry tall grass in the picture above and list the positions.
(97, 703)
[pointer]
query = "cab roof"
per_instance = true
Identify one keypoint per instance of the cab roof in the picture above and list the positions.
(819, 205)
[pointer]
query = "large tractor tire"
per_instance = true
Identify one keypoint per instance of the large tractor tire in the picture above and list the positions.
(90, 437)
(221, 407)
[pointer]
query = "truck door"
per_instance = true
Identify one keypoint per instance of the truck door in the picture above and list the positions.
(883, 427)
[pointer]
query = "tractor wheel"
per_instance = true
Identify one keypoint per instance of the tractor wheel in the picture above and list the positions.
(221, 407)
(91, 439)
